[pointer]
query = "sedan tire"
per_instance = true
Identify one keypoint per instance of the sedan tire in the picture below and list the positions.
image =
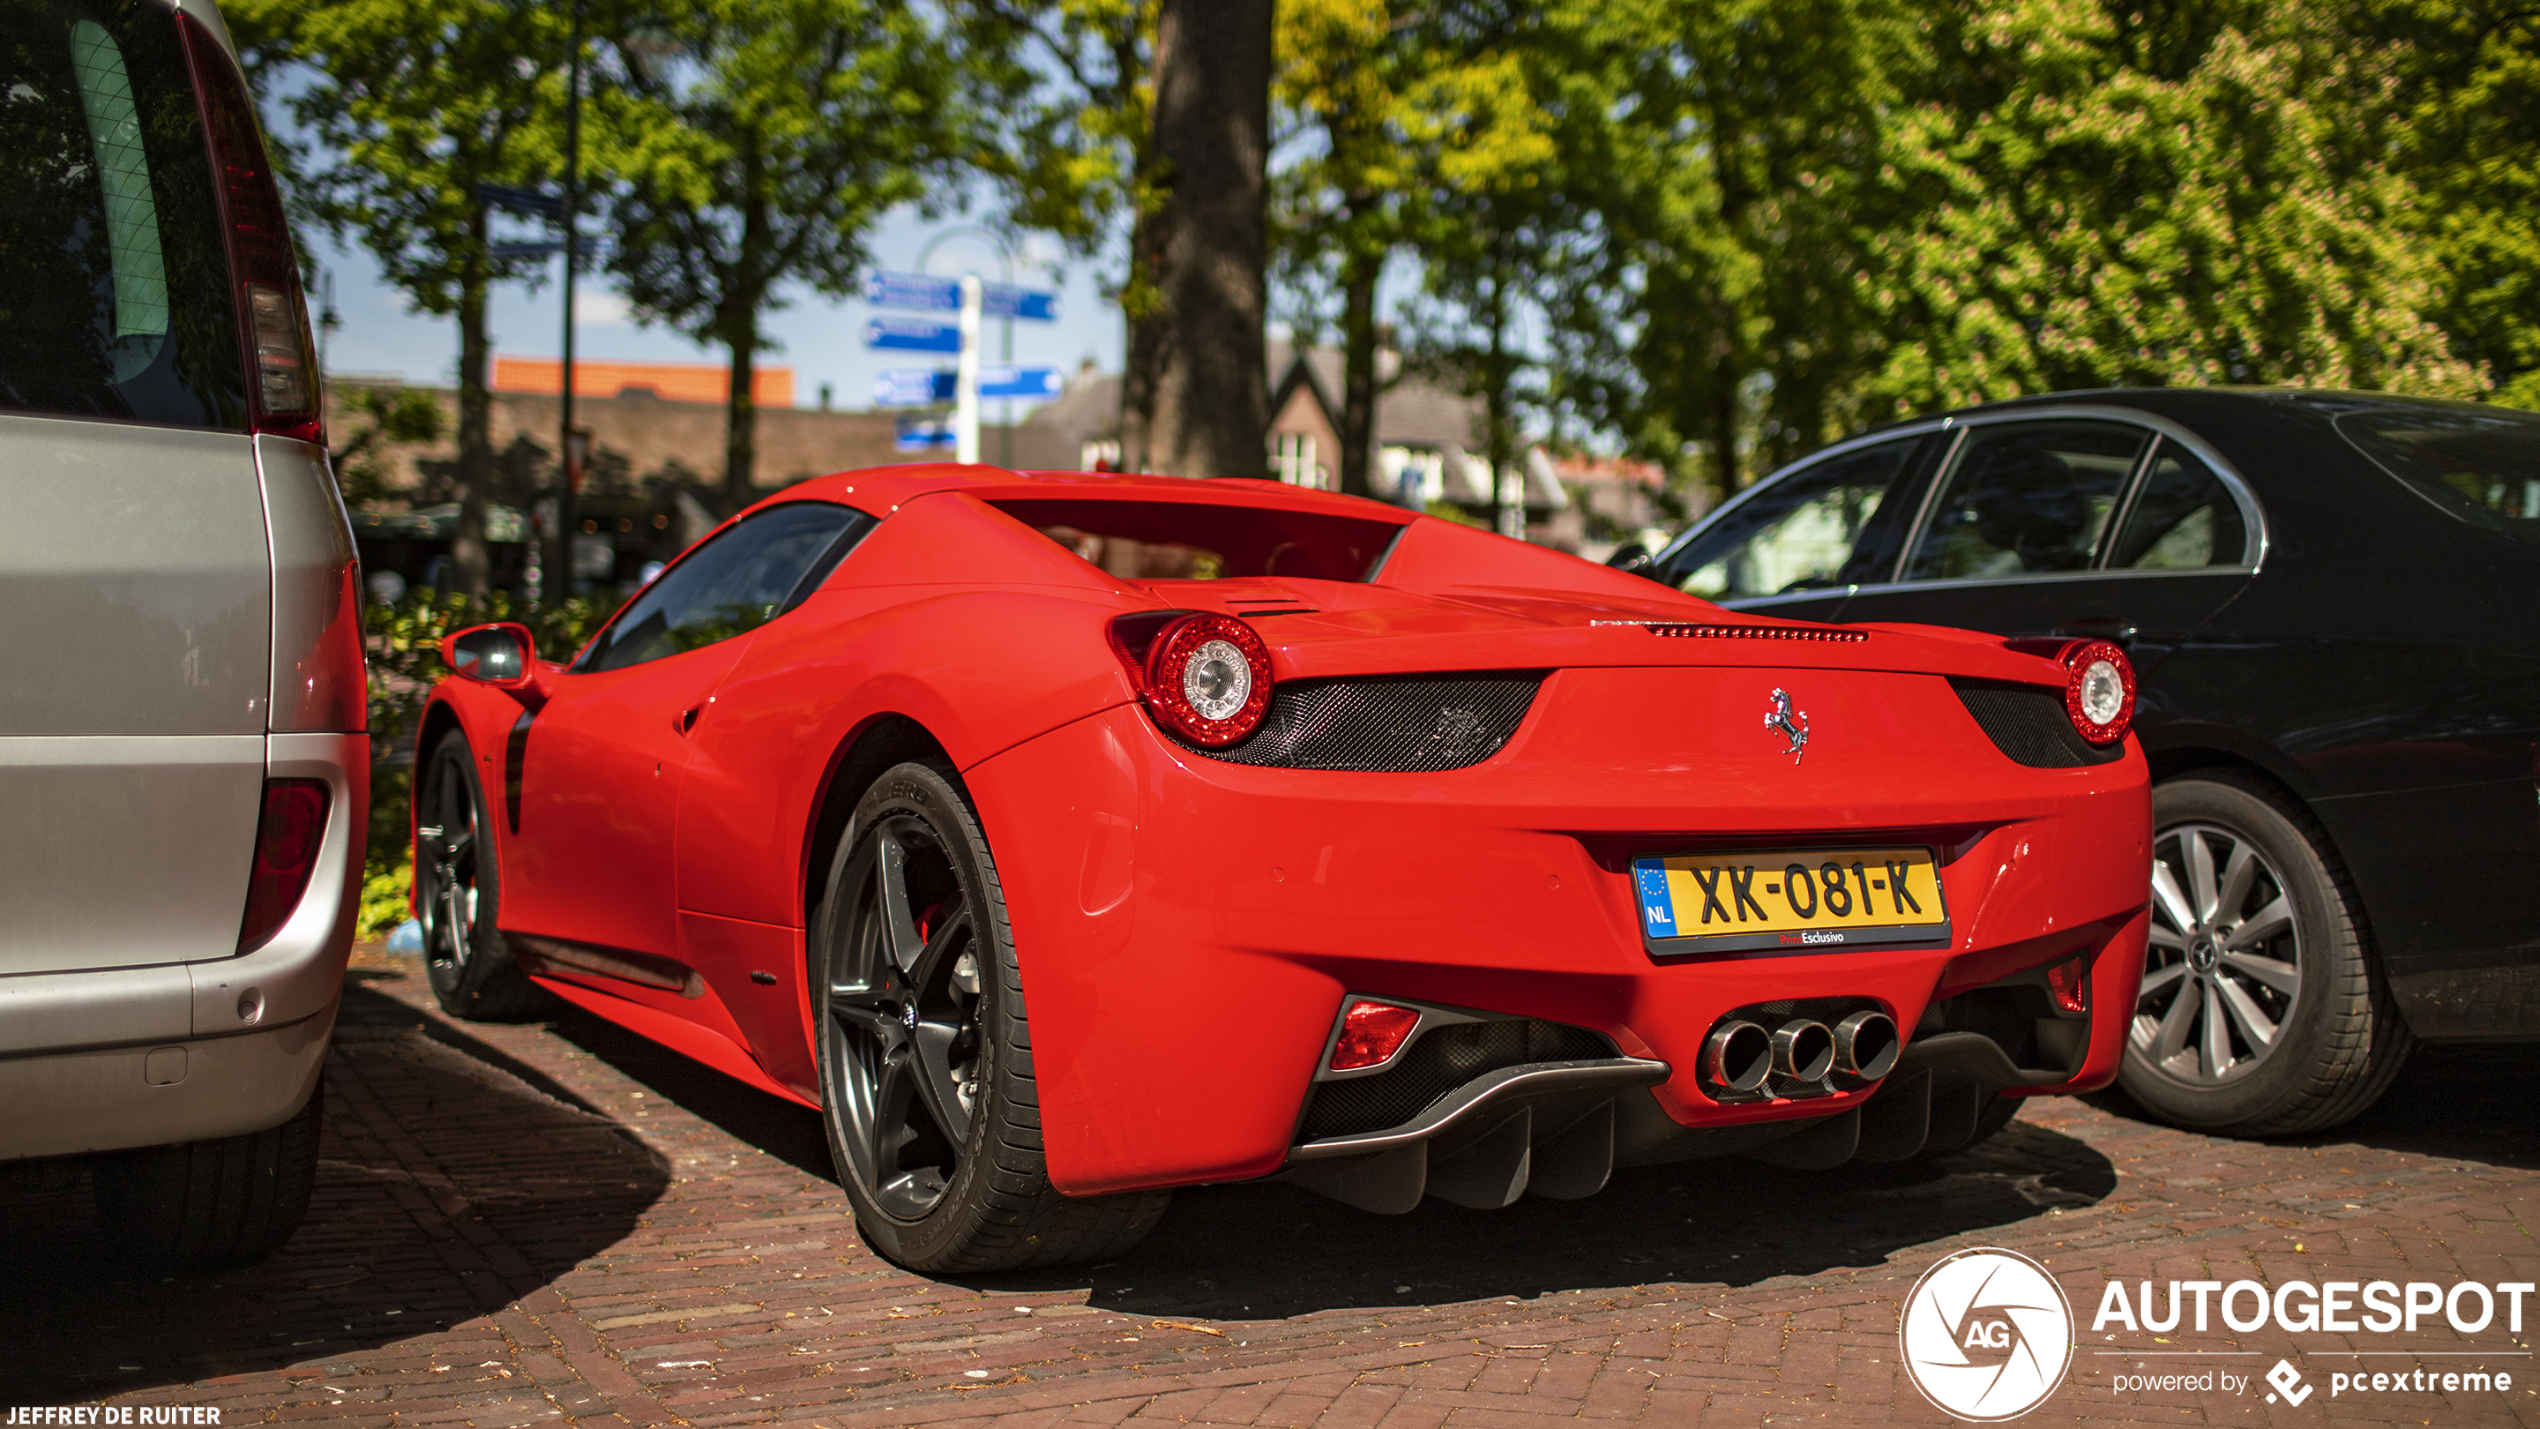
(926, 1076)
(2261, 1012)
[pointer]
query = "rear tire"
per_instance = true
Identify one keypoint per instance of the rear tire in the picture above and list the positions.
(211, 1205)
(458, 893)
(926, 1077)
(2262, 1012)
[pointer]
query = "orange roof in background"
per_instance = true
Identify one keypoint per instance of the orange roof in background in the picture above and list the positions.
(670, 381)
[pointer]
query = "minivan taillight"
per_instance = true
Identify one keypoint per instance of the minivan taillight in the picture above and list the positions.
(288, 837)
(273, 315)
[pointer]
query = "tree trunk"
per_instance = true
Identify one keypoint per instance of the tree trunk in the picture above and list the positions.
(468, 553)
(740, 416)
(1359, 342)
(1196, 400)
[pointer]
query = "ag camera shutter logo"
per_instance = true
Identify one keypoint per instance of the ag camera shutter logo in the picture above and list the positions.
(1987, 1335)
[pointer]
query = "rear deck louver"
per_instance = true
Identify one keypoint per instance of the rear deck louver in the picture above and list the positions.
(1679, 630)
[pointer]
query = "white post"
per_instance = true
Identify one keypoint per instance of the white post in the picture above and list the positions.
(966, 377)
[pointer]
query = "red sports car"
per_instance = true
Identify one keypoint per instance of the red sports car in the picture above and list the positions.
(1065, 839)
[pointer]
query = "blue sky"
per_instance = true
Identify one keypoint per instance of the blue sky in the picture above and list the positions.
(822, 339)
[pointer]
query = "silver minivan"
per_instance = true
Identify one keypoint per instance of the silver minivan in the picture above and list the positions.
(184, 773)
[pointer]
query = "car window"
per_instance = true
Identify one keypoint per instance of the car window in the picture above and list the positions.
(2025, 498)
(2183, 518)
(2480, 463)
(733, 584)
(118, 301)
(1807, 530)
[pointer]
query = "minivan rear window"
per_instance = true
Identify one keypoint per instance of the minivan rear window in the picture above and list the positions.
(2480, 463)
(117, 300)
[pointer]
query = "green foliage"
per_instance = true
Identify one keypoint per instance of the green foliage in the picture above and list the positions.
(407, 416)
(762, 156)
(403, 645)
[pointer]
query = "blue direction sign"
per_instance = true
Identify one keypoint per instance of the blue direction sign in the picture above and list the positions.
(998, 300)
(912, 387)
(912, 291)
(923, 436)
(912, 335)
(1004, 381)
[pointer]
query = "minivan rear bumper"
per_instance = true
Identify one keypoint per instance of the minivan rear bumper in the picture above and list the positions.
(114, 1058)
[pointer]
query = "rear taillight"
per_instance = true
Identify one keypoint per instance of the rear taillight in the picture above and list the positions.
(2099, 691)
(288, 837)
(1208, 680)
(273, 317)
(1371, 1032)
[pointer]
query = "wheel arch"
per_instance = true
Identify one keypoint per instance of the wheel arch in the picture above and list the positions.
(2183, 760)
(873, 746)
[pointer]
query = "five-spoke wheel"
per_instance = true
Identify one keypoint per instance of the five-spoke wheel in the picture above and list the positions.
(2260, 1010)
(926, 1074)
(457, 884)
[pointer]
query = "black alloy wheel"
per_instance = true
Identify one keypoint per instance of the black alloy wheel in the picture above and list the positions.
(457, 893)
(2260, 1011)
(926, 1077)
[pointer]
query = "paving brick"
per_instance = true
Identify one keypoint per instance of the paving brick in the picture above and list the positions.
(538, 1224)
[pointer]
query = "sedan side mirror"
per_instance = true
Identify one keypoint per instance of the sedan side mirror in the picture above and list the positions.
(498, 655)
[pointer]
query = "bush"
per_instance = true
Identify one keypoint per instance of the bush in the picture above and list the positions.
(403, 642)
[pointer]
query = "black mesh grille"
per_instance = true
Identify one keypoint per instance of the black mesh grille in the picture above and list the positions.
(1442, 1060)
(1388, 723)
(2028, 724)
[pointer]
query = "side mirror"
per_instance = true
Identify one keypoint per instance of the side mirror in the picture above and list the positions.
(498, 655)
(1635, 558)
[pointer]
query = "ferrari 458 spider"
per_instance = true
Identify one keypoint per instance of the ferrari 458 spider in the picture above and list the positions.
(1065, 839)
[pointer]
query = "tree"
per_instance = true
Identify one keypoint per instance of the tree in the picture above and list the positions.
(2107, 195)
(1345, 69)
(1194, 396)
(2456, 97)
(762, 157)
(412, 108)
(1156, 111)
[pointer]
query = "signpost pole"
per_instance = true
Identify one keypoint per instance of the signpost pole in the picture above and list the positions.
(966, 378)
(560, 579)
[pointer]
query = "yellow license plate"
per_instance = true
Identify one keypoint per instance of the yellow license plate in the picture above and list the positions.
(1797, 899)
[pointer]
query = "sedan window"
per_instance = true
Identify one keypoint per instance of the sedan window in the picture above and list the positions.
(2480, 463)
(1814, 528)
(2185, 517)
(734, 583)
(2025, 498)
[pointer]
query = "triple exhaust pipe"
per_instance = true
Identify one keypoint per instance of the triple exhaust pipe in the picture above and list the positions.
(1800, 1058)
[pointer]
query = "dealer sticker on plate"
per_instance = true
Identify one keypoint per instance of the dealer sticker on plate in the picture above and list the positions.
(1796, 899)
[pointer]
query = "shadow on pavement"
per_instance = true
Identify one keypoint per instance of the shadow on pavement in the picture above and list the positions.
(1264, 1251)
(451, 1179)
(2467, 1101)
(786, 1130)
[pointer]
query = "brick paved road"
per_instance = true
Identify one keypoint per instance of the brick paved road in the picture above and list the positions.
(558, 1223)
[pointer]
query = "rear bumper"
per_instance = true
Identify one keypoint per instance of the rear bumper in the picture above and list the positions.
(237, 1041)
(117, 1098)
(1188, 928)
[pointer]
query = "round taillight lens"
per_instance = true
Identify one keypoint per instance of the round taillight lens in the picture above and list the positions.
(1208, 680)
(2099, 691)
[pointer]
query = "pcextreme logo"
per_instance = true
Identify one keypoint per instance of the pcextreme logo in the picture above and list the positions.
(1986, 1334)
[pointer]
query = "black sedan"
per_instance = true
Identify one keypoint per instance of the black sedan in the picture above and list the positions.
(2339, 699)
